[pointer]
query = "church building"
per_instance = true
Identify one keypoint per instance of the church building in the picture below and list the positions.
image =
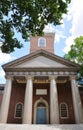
(41, 87)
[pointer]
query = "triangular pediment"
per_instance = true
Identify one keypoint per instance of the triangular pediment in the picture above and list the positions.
(40, 59)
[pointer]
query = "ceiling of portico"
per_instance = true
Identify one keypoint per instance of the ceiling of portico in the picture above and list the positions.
(40, 79)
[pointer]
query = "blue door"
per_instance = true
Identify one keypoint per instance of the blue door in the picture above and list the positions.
(41, 115)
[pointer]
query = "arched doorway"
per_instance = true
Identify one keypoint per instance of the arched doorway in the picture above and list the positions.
(41, 115)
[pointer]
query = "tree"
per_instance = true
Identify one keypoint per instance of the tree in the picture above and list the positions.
(27, 17)
(76, 53)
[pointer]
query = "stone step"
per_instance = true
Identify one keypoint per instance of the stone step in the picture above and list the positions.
(40, 127)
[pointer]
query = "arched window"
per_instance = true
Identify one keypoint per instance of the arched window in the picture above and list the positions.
(42, 42)
(18, 110)
(63, 110)
(41, 104)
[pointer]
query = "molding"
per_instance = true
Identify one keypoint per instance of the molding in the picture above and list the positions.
(40, 73)
(47, 109)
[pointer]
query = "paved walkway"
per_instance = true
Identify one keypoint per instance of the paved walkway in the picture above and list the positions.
(40, 127)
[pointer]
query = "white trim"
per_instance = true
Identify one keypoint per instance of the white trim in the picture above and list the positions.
(15, 111)
(66, 110)
(41, 91)
(47, 109)
(39, 42)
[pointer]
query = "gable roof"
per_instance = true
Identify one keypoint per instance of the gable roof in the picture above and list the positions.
(40, 59)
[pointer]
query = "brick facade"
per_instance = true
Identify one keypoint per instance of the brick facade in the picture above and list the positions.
(64, 95)
(17, 95)
(49, 43)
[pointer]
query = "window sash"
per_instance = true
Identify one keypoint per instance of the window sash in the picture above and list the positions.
(63, 110)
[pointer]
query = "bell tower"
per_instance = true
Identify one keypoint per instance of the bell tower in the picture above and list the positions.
(45, 42)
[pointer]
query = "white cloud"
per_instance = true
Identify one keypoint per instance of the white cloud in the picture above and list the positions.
(2, 76)
(5, 57)
(76, 15)
(49, 28)
(58, 34)
(69, 41)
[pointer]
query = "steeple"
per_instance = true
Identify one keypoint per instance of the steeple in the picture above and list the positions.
(45, 42)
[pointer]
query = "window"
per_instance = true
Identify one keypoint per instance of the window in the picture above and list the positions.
(18, 110)
(42, 42)
(63, 110)
(41, 104)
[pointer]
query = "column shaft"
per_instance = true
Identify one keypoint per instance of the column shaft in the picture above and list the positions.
(54, 110)
(27, 117)
(6, 101)
(76, 102)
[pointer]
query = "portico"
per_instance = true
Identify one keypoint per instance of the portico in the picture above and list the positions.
(47, 95)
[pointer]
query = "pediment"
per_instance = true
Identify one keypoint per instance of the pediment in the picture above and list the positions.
(40, 59)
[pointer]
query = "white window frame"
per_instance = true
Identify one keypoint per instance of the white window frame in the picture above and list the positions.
(63, 103)
(15, 110)
(39, 44)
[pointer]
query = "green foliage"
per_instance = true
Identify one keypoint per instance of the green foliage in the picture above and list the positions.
(27, 17)
(76, 53)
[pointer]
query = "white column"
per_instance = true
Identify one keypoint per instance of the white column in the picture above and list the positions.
(27, 117)
(5, 101)
(54, 109)
(76, 101)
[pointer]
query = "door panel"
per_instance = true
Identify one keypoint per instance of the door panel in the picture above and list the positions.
(41, 115)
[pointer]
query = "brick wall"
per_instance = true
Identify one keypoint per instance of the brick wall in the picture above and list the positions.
(17, 95)
(49, 43)
(64, 95)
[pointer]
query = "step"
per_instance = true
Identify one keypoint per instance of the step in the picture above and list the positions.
(40, 127)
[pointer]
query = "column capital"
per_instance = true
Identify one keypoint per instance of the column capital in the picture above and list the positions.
(73, 77)
(9, 77)
(53, 77)
(28, 77)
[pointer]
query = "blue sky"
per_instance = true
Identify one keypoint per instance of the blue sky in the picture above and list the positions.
(71, 28)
